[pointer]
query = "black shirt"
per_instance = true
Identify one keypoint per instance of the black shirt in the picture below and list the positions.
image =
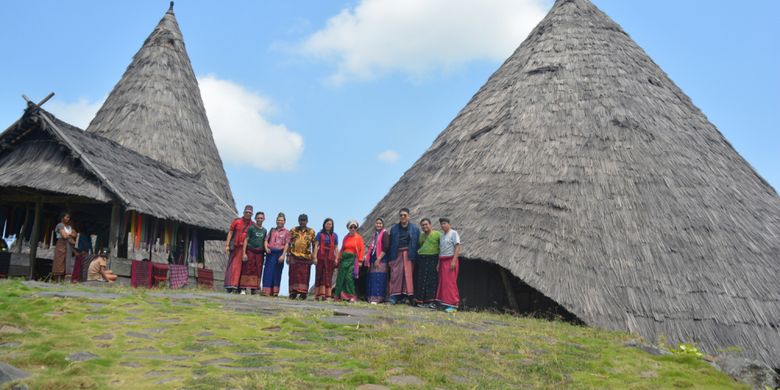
(403, 236)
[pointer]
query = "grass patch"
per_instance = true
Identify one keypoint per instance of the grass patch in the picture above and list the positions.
(152, 339)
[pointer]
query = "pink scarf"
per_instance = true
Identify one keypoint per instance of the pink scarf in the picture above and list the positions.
(376, 241)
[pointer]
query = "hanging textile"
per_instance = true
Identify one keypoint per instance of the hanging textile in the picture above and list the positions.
(194, 246)
(138, 228)
(132, 228)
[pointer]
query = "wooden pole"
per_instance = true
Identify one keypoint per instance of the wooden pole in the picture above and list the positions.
(35, 234)
(113, 231)
(20, 236)
(510, 292)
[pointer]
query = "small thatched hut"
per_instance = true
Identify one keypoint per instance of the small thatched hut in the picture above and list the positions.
(156, 109)
(138, 207)
(584, 182)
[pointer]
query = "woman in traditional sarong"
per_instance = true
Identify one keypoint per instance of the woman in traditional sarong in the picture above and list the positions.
(63, 251)
(352, 252)
(449, 249)
(426, 275)
(234, 246)
(301, 258)
(326, 244)
(276, 247)
(377, 263)
(254, 253)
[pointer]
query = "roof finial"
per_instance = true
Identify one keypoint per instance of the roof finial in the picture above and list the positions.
(171, 7)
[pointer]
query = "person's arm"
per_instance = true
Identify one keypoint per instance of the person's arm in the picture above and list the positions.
(288, 246)
(457, 251)
(313, 245)
(385, 246)
(104, 270)
(244, 246)
(229, 236)
(316, 250)
(361, 249)
(338, 256)
(455, 257)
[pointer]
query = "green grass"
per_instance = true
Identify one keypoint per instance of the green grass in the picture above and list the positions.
(297, 349)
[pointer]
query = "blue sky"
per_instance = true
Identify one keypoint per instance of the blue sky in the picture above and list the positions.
(357, 90)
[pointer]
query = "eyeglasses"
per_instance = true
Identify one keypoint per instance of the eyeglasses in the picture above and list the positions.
(352, 227)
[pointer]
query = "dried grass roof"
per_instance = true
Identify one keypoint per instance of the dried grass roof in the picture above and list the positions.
(584, 170)
(156, 109)
(61, 158)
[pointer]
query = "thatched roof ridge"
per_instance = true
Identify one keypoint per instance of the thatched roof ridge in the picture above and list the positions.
(156, 110)
(585, 171)
(94, 162)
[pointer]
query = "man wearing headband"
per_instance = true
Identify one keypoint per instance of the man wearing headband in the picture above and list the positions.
(404, 238)
(301, 257)
(234, 246)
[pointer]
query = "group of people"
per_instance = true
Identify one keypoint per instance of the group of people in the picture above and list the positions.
(71, 257)
(405, 264)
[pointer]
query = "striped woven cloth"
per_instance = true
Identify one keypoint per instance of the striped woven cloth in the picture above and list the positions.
(178, 275)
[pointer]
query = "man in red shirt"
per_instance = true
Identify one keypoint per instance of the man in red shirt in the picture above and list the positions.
(234, 246)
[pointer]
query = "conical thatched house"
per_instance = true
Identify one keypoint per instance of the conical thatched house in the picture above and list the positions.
(156, 109)
(586, 173)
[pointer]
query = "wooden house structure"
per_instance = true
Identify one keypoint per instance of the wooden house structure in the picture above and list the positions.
(134, 203)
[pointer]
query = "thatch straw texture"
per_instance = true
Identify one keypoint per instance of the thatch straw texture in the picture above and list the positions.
(64, 159)
(156, 110)
(584, 170)
(42, 165)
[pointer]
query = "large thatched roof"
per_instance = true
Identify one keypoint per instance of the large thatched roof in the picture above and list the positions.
(156, 110)
(585, 171)
(42, 153)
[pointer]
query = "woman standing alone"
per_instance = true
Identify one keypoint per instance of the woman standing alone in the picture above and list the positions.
(63, 251)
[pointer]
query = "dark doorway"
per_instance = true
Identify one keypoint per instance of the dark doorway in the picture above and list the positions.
(482, 287)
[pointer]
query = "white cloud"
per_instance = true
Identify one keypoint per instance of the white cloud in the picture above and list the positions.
(78, 113)
(241, 131)
(420, 36)
(388, 156)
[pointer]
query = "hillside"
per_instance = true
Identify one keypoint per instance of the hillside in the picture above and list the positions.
(79, 337)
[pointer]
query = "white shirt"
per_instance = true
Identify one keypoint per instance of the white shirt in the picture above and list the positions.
(447, 243)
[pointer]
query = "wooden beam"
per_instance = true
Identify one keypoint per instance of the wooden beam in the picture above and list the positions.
(113, 230)
(35, 235)
(510, 292)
